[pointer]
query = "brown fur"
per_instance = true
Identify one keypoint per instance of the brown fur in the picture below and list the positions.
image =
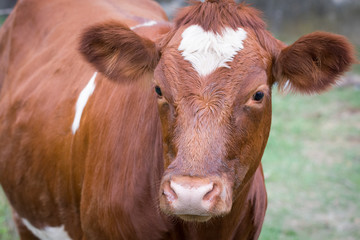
(113, 47)
(314, 62)
(215, 15)
(107, 180)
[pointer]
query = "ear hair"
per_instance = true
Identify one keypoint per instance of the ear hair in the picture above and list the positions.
(314, 62)
(118, 52)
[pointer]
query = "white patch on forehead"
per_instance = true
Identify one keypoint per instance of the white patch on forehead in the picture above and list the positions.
(81, 102)
(207, 51)
(146, 24)
(47, 233)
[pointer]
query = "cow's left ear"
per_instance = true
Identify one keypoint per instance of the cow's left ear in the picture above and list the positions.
(117, 52)
(313, 63)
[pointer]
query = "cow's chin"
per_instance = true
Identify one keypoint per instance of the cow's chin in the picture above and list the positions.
(194, 218)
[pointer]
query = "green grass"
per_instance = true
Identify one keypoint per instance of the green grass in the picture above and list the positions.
(7, 227)
(2, 20)
(312, 167)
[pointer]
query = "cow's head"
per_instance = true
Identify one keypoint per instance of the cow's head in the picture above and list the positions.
(213, 73)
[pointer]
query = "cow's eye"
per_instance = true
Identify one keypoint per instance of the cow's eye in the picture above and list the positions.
(258, 96)
(158, 91)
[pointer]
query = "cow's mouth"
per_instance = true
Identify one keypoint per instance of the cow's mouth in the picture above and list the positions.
(194, 218)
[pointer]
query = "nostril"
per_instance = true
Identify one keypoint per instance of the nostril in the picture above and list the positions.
(169, 192)
(213, 193)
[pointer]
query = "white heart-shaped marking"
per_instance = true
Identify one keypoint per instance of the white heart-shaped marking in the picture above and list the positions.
(207, 51)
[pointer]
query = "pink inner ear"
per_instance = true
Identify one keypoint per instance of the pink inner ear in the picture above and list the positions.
(314, 62)
(118, 52)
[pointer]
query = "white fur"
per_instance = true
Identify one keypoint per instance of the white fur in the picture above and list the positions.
(81, 102)
(146, 24)
(47, 233)
(207, 51)
(287, 86)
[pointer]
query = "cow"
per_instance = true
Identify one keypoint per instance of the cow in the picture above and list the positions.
(118, 124)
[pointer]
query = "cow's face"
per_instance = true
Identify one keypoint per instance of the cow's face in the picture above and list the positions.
(213, 88)
(214, 101)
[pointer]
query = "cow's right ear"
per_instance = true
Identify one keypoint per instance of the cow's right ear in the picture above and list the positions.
(117, 52)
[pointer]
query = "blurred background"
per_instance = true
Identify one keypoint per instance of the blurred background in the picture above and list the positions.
(312, 160)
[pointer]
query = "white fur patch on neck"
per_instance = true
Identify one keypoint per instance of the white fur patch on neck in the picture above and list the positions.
(81, 102)
(47, 233)
(145, 24)
(207, 51)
